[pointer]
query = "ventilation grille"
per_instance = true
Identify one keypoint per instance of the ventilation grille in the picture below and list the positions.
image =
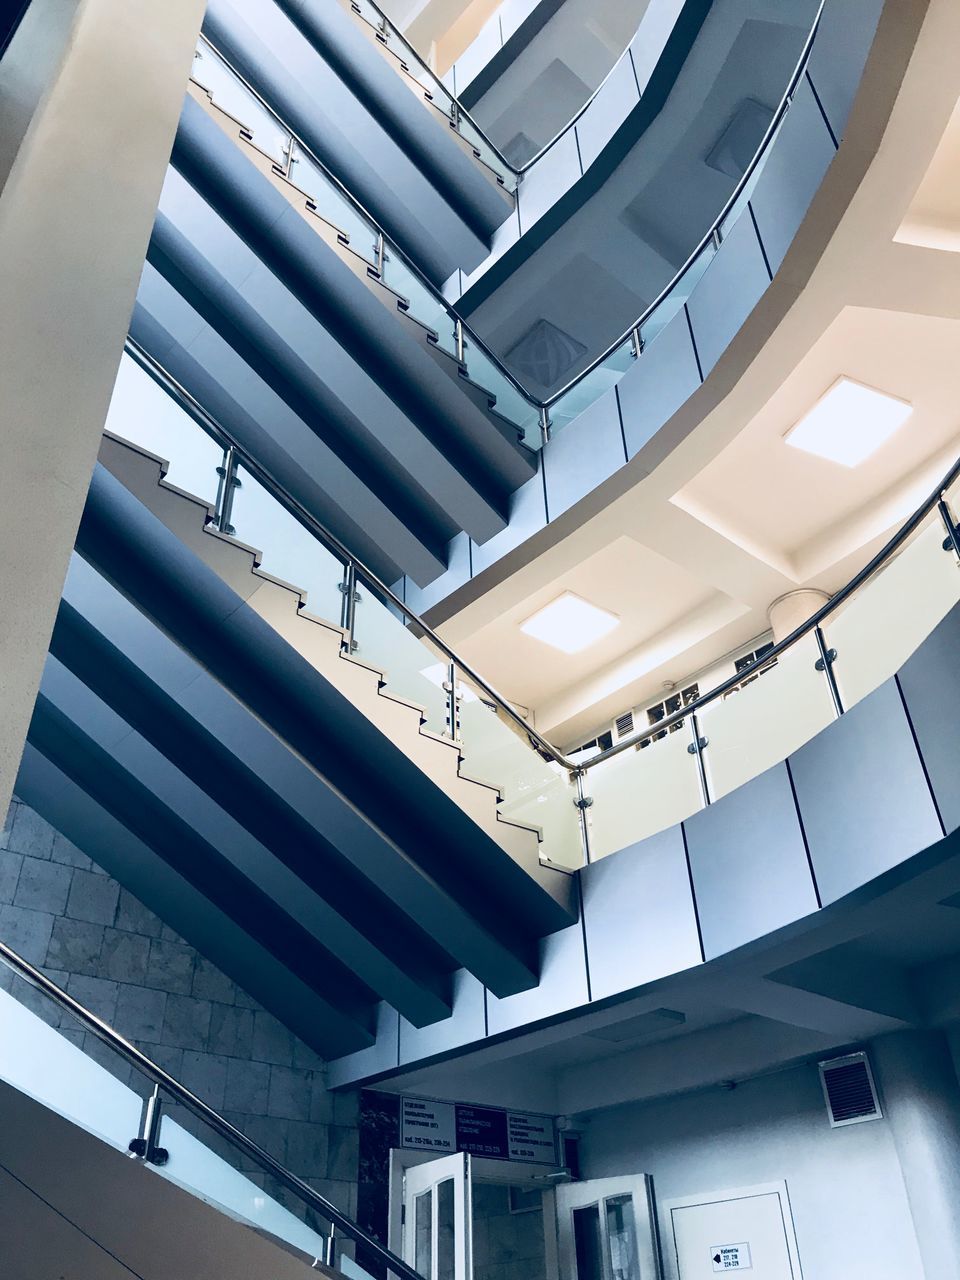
(849, 1091)
(623, 725)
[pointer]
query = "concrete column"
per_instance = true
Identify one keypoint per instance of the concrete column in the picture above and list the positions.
(920, 1096)
(90, 95)
(792, 610)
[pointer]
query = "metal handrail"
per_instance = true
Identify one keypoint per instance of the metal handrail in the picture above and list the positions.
(576, 768)
(937, 499)
(180, 1093)
(333, 544)
(718, 222)
(376, 228)
(544, 405)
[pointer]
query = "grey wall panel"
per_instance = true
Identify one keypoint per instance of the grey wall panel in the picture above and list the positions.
(458, 572)
(528, 515)
(792, 175)
(730, 288)
(658, 384)
(563, 984)
(578, 459)
(749, 863)
(614, 101)
(863, 797)
(549, 178)
(466, 1023)
(638, 915)
(930, 681)
(839, 54)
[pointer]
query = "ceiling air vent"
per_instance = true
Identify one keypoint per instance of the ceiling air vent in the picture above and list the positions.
(848, 1090)
(623, 726)
(740, 140)
(545, 353)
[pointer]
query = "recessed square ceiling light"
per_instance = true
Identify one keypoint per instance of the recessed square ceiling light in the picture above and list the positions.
(849, 423)
(569, 623)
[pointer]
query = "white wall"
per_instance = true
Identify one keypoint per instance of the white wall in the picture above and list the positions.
(846, 1190)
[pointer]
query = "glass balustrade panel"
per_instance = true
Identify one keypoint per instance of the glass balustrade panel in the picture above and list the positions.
(676, 297)
(413, 669)
(591, 386)
(425, 306)
(143, 413)
(535, 792)
(333, 206)
(209, 1166)
(232, 95)
(640, 792)
(762, 722)
(881, 626)
(288, 551)
(49, 1056)
(744, 195)
(509, 402)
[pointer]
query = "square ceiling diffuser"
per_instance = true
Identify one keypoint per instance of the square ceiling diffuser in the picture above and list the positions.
(848, 423)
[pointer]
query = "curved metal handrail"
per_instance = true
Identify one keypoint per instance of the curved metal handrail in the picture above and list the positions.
(169, 1084)
(543, 406)
(760, 154)
(537, 741)
(936, 499)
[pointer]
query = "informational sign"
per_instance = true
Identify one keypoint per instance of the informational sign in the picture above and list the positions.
(428, 1126)
(731, 1257)
(491, 1132)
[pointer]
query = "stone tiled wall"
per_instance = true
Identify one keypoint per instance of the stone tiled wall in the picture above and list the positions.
(65, 915)
(506, 1245)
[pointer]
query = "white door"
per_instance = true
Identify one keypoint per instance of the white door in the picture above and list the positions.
(437, 1214)
(729, 1232)
(605, 1229)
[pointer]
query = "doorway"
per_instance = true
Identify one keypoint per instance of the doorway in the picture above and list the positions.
(749, 1230)
(606, 1229)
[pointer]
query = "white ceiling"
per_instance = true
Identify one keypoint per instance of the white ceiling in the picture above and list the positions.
(691, 556)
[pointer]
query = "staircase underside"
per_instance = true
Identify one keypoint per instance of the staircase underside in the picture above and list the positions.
(221, 772)
(287, 334)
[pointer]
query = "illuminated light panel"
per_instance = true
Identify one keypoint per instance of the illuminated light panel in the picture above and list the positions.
(569, 623)
(849, 423)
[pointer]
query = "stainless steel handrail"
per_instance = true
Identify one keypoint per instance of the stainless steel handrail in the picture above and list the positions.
(180, 1093)
(711, 234)
(334, 545)
(718, 222)
(376, 228)
(936, 499)
(537, 741)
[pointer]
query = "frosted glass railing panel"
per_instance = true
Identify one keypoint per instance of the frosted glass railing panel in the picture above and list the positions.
(195, 1168)
(640, 792)
(287, 550)
(46, 1066)
(743, 197)
(333, 206)
(596, 383)
(760, 724)
(143, 413)
(878, 630)
(233, 96)
(412, 669)
(676, 299)
(534, 791)
(424, 306)
(510, 403)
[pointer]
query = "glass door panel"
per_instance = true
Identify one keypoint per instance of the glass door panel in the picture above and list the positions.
(437, 1216)
(606, 1230)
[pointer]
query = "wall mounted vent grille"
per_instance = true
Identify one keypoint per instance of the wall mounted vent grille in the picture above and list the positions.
(849, 1090)
(623, 725)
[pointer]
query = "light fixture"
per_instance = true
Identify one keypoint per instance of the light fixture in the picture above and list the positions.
(848, 423)
(569, 623)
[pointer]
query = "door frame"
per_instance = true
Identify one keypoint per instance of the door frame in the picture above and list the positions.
(671, 1263)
